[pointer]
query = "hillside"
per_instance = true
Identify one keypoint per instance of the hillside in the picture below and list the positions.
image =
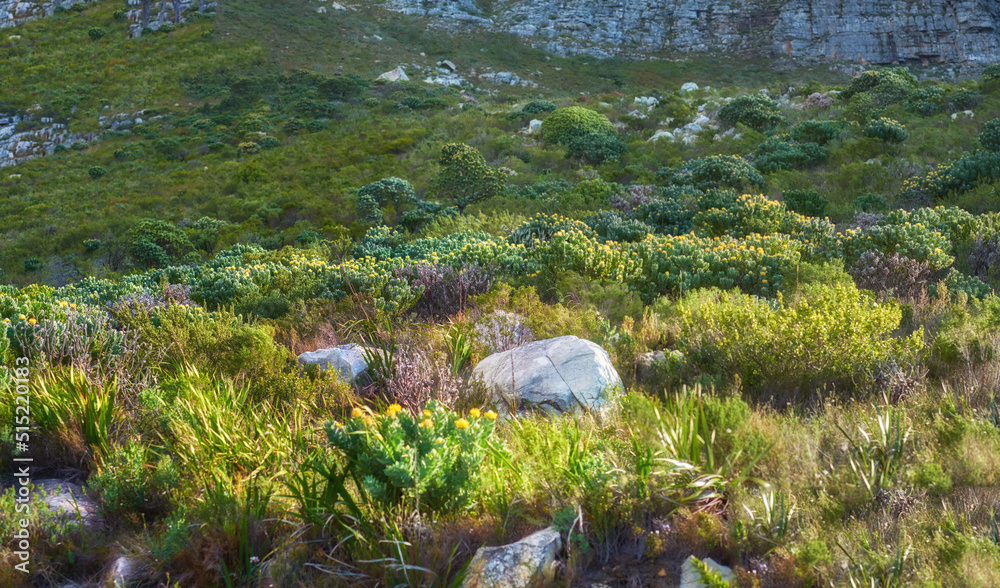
(332, 294)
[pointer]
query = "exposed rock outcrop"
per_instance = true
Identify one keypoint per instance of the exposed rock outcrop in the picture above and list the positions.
(889, 31)
(554, 375)
(527, 563)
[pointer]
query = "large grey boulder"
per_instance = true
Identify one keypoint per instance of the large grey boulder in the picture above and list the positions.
(531, 562)
(555, 375)
(69, 501)
(395, 75)
(346, 360)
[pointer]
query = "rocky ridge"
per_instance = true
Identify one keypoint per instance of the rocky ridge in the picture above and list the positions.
(915, 32)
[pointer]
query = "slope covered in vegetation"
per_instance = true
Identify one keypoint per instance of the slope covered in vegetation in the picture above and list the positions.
(793, 272)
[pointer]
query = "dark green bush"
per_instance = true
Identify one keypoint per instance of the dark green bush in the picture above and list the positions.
(96, 34)
(667, 216)
(343, 87)
(806, 202)
(756, 111)
(870, 202)
(33, 264)
(97, 172)
(596, 148)
(610, 226)
(925, 101)
(465, 178)
(776, 154)
(965, 100)
(820, 132)
(990, 137)
(155, 243)
(268, 143)
(885, 129)
(566, 124)
(538, 107)
(716, 171)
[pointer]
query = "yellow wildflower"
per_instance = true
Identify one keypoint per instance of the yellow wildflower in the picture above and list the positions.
(357, 412)
(427, 424)
(439, 440)
(427, 413)
(32, 321)
(474, 413)
(462, 423)
(490, 415)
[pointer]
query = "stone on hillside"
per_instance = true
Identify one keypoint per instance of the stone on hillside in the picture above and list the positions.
(689, 87)
(123, 572)
(395, 75)
(649, 363)
(338, 6)
(555, 375)
(661, 134)
(649, 101)
(530, 562)
(637, 114)
(68, 500)
(691, 577)
(693, 128)
(534, 126)
(346, 360)
(702, 120)
(446, 64)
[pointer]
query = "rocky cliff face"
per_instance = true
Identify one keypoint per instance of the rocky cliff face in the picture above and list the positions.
(866, 31)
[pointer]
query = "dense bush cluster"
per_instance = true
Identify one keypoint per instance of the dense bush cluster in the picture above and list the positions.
(756, 111)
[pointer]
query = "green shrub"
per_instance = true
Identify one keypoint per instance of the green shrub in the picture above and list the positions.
(610, 226)
(33, 264)
(538, 107)
(155, 243)
(345, 86)
(885, 129)
(667, 216)
(716, 171)
(832, 335)
(96, 34)
(97, 172)
(981, 167)
(392, 192)
(776, 154)
(542, 227)
(268, 143)
(756, 111)
(306, 238)
(887, 85)
(933, 478)
(870, 202)
(566, 124)
(965, 99)
(429, 462)
(596, 148)
(248, 148)
(925, 101)
(990, 137)
(806, 202)
(91, 245)
(132, 480)
(816, 131)
(465, 178)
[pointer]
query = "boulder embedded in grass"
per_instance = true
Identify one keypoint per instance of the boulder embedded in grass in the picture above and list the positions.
(555, 375)
(527, 563)
(347, 360)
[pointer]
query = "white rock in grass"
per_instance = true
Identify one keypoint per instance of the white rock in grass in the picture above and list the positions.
(346, 360)
(554, 375)
(530, 562)
(691, 577)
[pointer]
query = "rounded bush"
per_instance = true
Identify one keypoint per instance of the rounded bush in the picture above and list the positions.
(806, 202)
(566, 124)
(91, 245)
(757, 112)
(96, 34)
(885, 129)
(268, 143)
(596, 148)
(33, 264)
(248, 148)
(538, 107)
(345, 86)
(96, 172)
(990, 137)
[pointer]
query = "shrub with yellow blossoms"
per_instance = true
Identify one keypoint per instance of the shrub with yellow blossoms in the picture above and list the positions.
(428, 461)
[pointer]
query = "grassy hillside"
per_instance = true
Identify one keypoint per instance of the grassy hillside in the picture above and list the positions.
(798, 294)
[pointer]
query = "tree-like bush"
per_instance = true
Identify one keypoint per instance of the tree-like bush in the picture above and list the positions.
(566, 124)
(776, 154)
(394, 193)
(716, 171)
(990, 136)
(96, 34)
(925, 101)
(820, 132)
(97, 172)
(965, 99)
(156, 243)
(610, 226)
(465, 178)
(596, 148)
(885, 129)
(807, 202)
(538, 107)
(756, 111)
(343, 87)
(832, 335)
